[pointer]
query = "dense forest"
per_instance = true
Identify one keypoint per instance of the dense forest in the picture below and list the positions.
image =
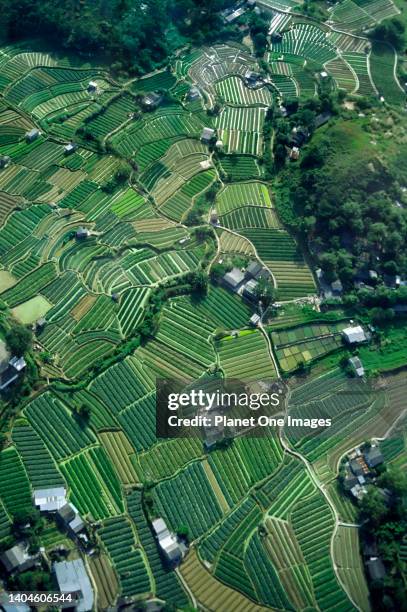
(137, 34)
(342, 199)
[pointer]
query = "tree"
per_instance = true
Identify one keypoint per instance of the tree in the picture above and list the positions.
(373, 507)
(19, 340)
(392, 31)
(265, 291)
(199, 282)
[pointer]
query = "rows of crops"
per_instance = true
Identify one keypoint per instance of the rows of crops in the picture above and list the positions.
(188, 499)
(15, 489)
(128, 561)
(305, 343)
(37, 460)
(278, 249)
(246, 357)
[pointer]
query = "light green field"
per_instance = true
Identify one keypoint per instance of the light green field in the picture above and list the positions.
(31, 310)
(6, 280)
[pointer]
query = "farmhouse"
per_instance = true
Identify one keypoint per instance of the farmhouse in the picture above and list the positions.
(40, 324)
(354, 335)
(72, 578)
(32, 135)
(4, 161)
(254, 320)
(276, 37)
(214, 217)
(17, 559)
(50, 500)
(15, 366)
(82, 233)
(252, 79)
(358, 467)
(70, 148)
(294, 153)
(321, 119)
(253, 269)
(207, 135)
(233, 280)
(205, 164)
(229, 17)
(69, 517)
(357, 366)
(219, 144)
(167, 541)
(193, 94)
(373, 457)
(376, 569)
(350, 480)
(337, 287)
(152, 100)
(92, 87)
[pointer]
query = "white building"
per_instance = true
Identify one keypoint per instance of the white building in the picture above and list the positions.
(354, 335)
(207, 135)
(168, 542)
(50, 500)
(357, 365)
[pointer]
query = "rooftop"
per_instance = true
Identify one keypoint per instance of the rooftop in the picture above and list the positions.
(207, 134)
(72, 577)
(234, 278)
(354, 334)
(374, 456)
(50, 500)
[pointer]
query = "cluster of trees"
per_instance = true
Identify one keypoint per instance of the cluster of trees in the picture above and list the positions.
(384, 520)
(391, 31)
(18, 340)
(138, 35)
(299, 116)
(345, 201)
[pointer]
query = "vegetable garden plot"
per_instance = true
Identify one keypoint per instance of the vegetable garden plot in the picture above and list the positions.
(245, 357)
(240, 167)
(94, 486)
(341, 72)
(111, 118)
(56, 426)
(358, 15)
(313, 523)
(168, 585)
(243, 194)
(286, 556)
(155, 128)
(382, 64)
(122, 384)
(359, 64)
(128, 561)
(279, 251)
(250, 217)
(188, 499)
(234, 91)
(307, 41)
(15, 490)
(167, 457)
